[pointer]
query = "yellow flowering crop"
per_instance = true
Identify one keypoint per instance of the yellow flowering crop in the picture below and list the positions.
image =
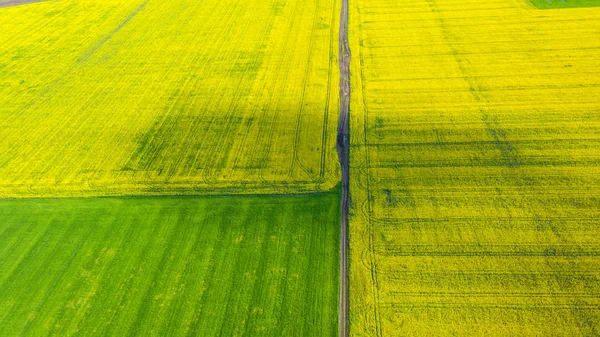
(475, 171)
(166, 97)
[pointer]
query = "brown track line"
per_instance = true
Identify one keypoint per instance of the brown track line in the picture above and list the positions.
(343, 149)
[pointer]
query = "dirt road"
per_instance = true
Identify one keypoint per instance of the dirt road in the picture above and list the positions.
(343, 149)
(7, 3)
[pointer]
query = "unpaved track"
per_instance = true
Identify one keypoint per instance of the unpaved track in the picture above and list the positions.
(8, 3)
(343, 149)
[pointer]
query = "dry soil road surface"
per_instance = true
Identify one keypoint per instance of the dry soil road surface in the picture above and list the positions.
(343, 149)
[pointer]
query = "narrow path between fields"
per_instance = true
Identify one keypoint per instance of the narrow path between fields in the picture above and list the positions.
(8, 3)
(343, 149)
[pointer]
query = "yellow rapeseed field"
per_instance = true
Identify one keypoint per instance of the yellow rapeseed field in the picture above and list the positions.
(166, 97)
(475, 169)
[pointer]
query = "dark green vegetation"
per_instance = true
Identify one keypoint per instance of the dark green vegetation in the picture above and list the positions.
(204, 266)
(549, 4)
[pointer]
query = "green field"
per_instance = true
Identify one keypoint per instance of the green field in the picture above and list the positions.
(550, 4)
(203, 266)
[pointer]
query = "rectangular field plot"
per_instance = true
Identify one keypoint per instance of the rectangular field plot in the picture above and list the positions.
(475, 169)
(198, 266)
(168, 97)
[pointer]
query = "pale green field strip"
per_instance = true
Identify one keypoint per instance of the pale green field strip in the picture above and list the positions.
(168, 97)
(170, 266)
(551, 4)
(475, 169)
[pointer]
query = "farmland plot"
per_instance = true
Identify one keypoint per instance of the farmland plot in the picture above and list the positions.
(198, 266)
(168, 97)
(551, 4)
(475, 169)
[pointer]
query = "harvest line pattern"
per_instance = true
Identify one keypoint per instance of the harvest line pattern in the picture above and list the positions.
(102, 41)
